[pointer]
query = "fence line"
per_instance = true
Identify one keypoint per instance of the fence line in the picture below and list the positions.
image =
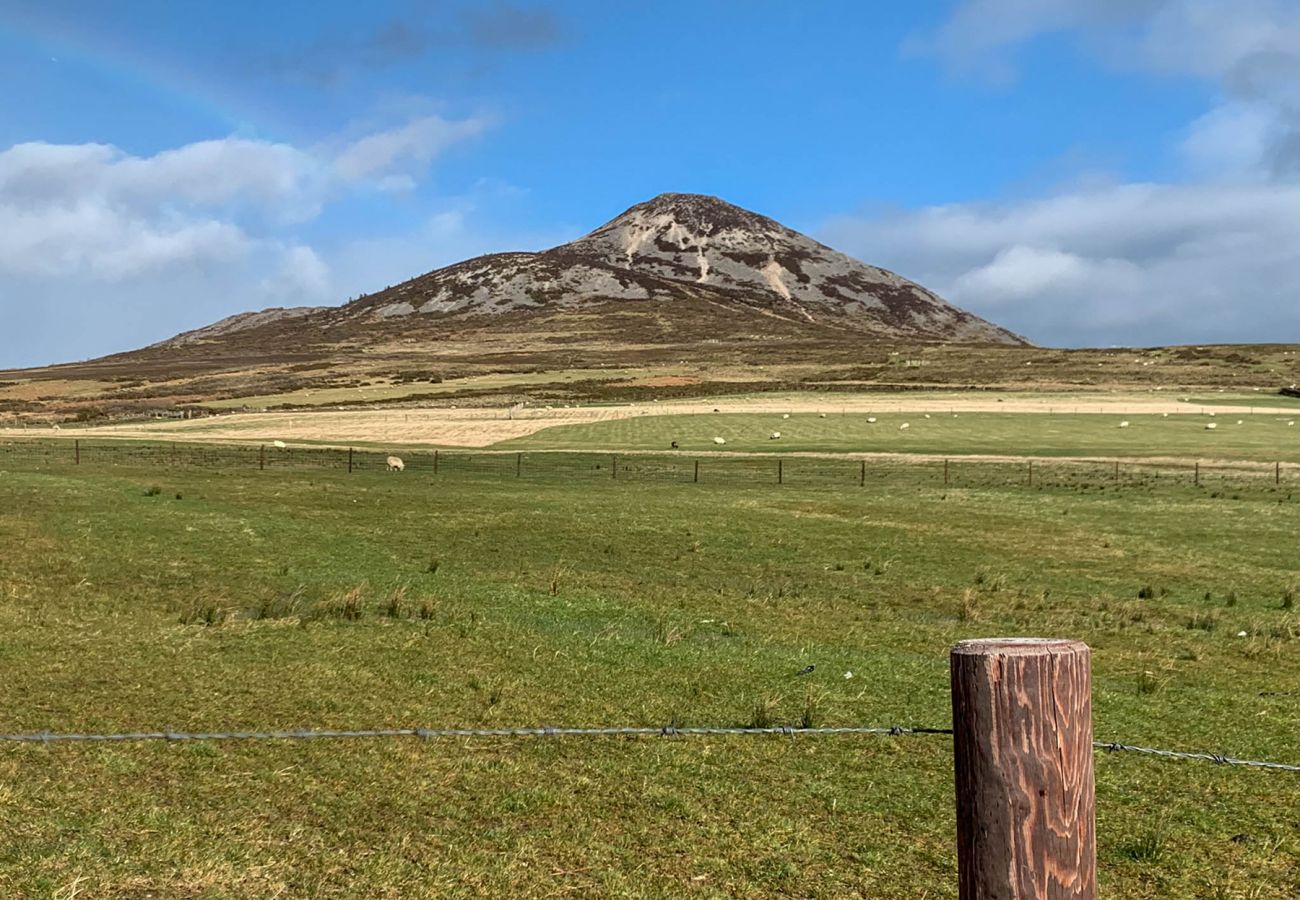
(755, 469)
(49, 737)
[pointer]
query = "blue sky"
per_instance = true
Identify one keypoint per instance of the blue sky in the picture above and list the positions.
(1087, 172)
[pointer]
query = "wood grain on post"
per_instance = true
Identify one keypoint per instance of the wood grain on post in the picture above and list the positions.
(1022, 736)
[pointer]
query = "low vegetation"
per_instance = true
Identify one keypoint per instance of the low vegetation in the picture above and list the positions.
(235, 598)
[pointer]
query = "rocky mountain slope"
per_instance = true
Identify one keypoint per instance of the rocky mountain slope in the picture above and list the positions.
(670, 257)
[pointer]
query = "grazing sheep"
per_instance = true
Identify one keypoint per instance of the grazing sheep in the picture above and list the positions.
(279, 445)
(822, 416)
(1211, 426)
(905, 426)
(673, 445)
(1124, 424)
(1239, 422)
(1289, 424)
(719, 440)
(871, 420)
(395, 464)
(774, 436)
(927, 415)
(785, 416)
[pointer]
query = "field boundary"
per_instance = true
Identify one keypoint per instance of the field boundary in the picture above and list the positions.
(704, 467)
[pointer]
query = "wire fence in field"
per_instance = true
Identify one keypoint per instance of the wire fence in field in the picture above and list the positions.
(306, 734)
(806, 470)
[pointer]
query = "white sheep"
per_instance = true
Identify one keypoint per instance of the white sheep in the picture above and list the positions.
(774, 436)
(1289, 424)
(871, 420)
(279, 445)
(1124, 424)
(1239, 422)
(785, 416)
(1210, 426)
(822, 416)
(719, 440)
(927, 415)
(905, 426)
(395, 464)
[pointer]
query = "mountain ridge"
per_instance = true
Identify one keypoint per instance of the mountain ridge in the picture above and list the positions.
(668, 255)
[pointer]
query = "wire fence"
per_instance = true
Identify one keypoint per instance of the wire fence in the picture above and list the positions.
(308, 734)
(841, 472)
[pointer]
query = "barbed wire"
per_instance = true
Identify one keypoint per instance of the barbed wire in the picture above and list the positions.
(555, 731)
(1218, 759)
(541, 731)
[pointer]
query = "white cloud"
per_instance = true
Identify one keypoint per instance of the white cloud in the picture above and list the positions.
(1210, 255)
(390, 155)
(207, 227)
(1124, 263)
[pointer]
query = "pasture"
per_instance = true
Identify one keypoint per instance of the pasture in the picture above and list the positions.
(196, 599)
(1262, 437)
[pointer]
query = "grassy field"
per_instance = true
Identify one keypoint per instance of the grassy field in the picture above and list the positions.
(191, 599)
(1260, 437)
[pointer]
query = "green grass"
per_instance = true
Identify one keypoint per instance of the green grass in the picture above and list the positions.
(288, 599)
(1260, 437)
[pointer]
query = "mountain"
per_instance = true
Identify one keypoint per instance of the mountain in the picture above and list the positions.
(689, 262)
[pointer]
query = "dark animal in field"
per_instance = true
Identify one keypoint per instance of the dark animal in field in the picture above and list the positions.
(1291, 391)
(674, 445)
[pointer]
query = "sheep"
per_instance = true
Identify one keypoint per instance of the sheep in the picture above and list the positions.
(719, 440)
(1124, 424)
(395, 464)
(673, 445)
(871, 420)
(1289, 424)
(785, 416)
(279, 445)
(905, 426)
(822, 416)
(1210, 426)
(1239, 422)
(927, 415)
(774, 436)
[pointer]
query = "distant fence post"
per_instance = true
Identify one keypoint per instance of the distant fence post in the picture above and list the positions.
(1277, 473)
(76, 449)
(1117, 470)
(945, 471)
(1031, 473)
(613, 467)
(780, 471)
(697, 472)
(435, 462)
(1022, 741)
(519, 464)
(862, 474)
(349, 460)
(1196, 477)
(261, 457)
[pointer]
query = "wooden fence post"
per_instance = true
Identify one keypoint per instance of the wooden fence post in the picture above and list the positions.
(1197, 476)
(613, 467)
(945, 471)
(261, 457)
(1031, 473)
(780, 471)
(519, 464)
(697, 472)
(862, 474)
(435, 462)
(349, 460)
(1022, 741)
(76, 449)
(1277, 473)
